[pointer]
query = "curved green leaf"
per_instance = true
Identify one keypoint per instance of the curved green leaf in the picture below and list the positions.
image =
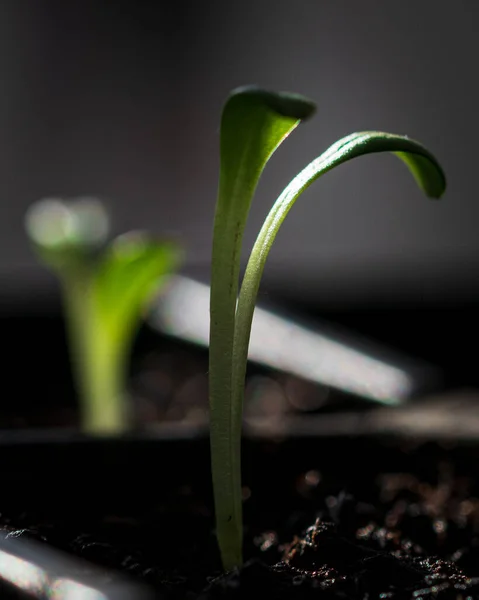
(254, 123)
(423, 166)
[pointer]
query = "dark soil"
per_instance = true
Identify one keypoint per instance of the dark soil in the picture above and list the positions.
(348, 530)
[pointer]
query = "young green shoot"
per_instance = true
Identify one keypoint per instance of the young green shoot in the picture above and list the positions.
(254, 123)
(105, 289)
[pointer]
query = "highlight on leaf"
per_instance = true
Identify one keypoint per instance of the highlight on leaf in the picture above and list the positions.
(132, 268)
(67, 231)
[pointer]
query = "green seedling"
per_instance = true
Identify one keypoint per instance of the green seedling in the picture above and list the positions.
(254, 123)
(105, 289)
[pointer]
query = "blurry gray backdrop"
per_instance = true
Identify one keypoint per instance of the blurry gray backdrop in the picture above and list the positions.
(122, 100)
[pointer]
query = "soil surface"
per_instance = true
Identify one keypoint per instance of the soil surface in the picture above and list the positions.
(313, 534)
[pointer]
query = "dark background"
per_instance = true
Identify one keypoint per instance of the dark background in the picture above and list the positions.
(122, 100)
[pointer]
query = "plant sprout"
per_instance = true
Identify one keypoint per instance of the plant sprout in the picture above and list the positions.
(105, 288)
(254, 123)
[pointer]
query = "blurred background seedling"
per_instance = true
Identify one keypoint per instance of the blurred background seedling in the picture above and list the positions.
(106, 287)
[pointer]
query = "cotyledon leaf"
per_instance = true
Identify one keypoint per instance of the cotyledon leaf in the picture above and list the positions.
(421, 163)
(254, 123)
